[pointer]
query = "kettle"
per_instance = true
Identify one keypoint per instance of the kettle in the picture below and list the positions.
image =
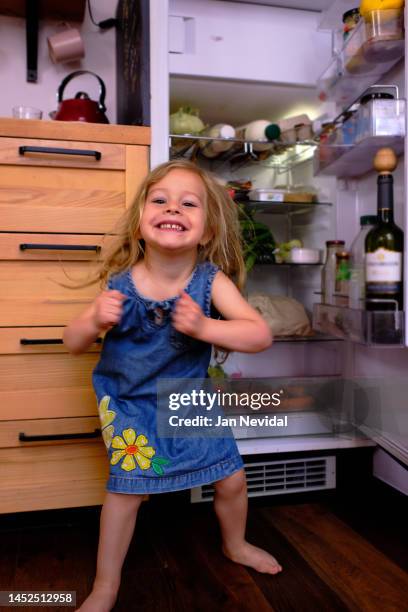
(81, 108)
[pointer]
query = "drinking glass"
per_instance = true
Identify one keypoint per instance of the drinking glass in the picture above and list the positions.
(27, 112)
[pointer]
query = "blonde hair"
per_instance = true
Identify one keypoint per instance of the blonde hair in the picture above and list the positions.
(223, 248)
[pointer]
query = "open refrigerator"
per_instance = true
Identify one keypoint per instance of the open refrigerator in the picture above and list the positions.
(203, 54)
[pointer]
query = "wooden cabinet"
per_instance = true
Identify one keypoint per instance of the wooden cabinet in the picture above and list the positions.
(62, 186)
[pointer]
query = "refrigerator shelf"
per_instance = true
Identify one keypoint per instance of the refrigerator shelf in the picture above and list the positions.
(371, 328)
(283, 155)
(289, 265)
(282, 208)
(317, 337)
(353, 160)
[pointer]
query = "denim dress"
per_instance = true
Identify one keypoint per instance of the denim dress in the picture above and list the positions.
(141, 349)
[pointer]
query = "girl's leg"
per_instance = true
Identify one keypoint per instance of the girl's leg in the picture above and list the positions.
(117, 525)
(231, 505)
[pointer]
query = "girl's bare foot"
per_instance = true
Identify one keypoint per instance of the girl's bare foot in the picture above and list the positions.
(255, 557)
(101, 599)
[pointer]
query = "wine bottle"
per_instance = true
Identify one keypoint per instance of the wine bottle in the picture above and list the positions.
(384, 243)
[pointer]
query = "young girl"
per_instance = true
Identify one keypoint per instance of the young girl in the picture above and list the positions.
(171, 261)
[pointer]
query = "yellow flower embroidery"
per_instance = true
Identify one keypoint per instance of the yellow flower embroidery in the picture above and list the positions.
(107, 417)
(131, 448)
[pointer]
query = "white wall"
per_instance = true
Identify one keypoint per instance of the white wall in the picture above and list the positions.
(251, 42)
(99, 58)
(159, 82)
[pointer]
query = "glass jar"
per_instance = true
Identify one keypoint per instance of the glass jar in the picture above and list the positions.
(350, 20)
(329, 270)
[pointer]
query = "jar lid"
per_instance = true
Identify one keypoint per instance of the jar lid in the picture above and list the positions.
(368, 220)
(350, 13)
(335, 242)
(376, 95)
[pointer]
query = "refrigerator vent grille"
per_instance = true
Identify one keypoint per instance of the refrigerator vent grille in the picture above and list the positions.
(278, 477)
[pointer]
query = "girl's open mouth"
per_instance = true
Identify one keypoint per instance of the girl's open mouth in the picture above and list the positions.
(175, 227)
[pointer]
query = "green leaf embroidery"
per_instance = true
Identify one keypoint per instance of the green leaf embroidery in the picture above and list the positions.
(161, 460)
(157, 468)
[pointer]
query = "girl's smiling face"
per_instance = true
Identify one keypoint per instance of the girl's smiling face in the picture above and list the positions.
(174, 214)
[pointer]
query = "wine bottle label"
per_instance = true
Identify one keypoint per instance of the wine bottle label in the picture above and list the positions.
(383, 266)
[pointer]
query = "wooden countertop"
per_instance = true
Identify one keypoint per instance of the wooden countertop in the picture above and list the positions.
(74, 130)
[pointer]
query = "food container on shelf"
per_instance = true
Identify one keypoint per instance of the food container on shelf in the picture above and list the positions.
(378, 39)
(296, 128)
(267, 195)
(300, 196)
(348, 129)
(298, 132)
(384, 35)
(350, 20)
(281, 195)
(304, 132)
(352, 55)
(302, 255)
(379, 114)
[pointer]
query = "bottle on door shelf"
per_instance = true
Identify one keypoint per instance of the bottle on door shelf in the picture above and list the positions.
(259, 130)
(212, 148)
(357, 258)
(384, 243)
(329, 270)
(341, 288)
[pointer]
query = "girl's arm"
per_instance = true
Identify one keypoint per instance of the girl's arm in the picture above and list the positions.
(104, 312)
(244, 330)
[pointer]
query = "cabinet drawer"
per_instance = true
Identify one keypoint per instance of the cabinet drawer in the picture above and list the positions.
(34, 340)
(62, 154)
(85, 199)
(65, 475)
(40, 432)
(34, 293)
(49, 385)
(59, 247)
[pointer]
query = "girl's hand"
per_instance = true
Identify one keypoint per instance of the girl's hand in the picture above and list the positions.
(187, 317)
(108, 309)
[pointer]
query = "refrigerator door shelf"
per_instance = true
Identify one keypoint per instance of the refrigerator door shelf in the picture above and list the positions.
(375, 45)
(353, 160)
(371, 328)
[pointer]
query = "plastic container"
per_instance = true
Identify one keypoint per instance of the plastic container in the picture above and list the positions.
(348, 129)
(378, 39)
(379, 115)
(304, 256)
(296, 128)
(357, 259)
(267, 195)
(384, 35)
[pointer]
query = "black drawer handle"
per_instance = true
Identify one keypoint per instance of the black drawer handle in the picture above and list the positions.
(60, 247)
(86, 152)
(45, 437)
(29, 341)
